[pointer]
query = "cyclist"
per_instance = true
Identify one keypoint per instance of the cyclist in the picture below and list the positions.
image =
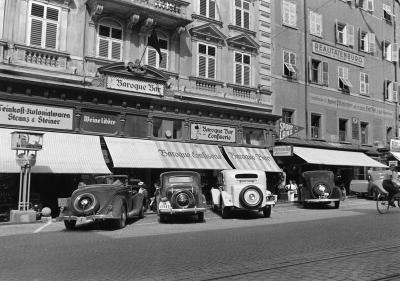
(392, 185)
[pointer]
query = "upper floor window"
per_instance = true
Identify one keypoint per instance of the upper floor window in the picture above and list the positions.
(391, 91)
(153, 57)
(367, 42)
(289, 13)
(43, 25)
(242, 13)
(315, 126)
(343, 79)
(253, 136)
(390, 51)
(387, 13)
(344, 34)
(289, 64)
(206, 61)
(207, 8)
(287, 116)
(109, 40)
(315, 23)
(367, 5)
(364, 132)
(242, 69)
(167, 128)
(364, 83)
(319, 72)
(342, 129)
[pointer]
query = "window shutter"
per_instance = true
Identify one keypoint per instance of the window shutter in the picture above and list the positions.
(202, 66)
(358, 3)
(36, 32)
(325, 73)
(116, 50)
(318, 27)
(164, 62)
(246, 75)
(359, 39)
(337, 31)
(350, 35)
(395, 52)
(293, 59)
(238, 17)
(362, 83)
(285, 13)
(371, 43)
(211, 9)
(394, 91)
(370, 5)
(293, 15)
(211, 68)
(286, 57)
(51, 35)
(312, 23)
(52, 14)
(203, 7)
(246, 20)
(310, 72)
(238, 74)
(103, 48)
(152, 57)
(37, 10)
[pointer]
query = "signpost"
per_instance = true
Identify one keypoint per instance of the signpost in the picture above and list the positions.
(26, 145)
(288, 129)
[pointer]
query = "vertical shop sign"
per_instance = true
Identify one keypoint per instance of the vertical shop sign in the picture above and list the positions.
(99, 122)
(355, 128)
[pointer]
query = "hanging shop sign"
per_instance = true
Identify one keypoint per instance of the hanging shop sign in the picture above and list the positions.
(30, 115)
(288, 129)
(137, 86)
(395, 145)
(99, 122)
(212, 133)
(282, 150)
(26, 141)
(393, 163)
(337, 54)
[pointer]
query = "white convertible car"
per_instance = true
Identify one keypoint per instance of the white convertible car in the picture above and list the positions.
(242, 189)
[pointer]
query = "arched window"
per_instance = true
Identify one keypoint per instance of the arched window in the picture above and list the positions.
(152, 56)
(109, 40)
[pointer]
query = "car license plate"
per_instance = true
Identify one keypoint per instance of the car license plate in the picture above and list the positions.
(164, 205)
(81, 219)
(62, 202)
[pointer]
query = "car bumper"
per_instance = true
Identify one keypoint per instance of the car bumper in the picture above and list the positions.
(182, 211)
(85, 218)
(327, 200)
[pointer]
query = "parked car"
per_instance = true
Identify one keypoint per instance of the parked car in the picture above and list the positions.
(242, 189)
(111, 201)
(319, 187)
(373, 183)
(180, 193)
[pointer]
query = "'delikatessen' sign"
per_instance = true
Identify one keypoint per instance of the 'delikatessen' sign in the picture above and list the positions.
(131, 85)
(29, 115)
(338, 54)
(212, 133)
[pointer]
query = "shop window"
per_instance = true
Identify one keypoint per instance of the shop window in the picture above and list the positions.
(242, 69)
(344, 34)
(289, 64)
(206, 61)
(364, 132)
(343, 129)
(242, 13)
(167, 128)
(289, 16)
(344, 83)
(319, 73)
(287, 116)
(315, 23)
(315, 126)
(364, 83)
(153, 58)
(136, 126)
(207, 8)
(253, 136)
(43, 25)
(109, 41)
(367, 42)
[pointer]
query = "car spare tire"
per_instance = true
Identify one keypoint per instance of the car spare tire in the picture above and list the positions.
(182, 199)
(85, 203)
(251, 197)
(321, 188)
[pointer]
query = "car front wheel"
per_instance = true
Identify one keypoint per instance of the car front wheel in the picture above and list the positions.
(267, 211)
(70, 225)
(121, 222)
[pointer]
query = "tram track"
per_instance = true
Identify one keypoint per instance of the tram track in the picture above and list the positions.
(300, 262)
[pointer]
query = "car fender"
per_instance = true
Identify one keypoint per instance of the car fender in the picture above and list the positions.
(226, 199)
(216, 195)
(116, 206)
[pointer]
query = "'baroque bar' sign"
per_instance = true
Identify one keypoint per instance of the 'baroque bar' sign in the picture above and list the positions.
(138, 86)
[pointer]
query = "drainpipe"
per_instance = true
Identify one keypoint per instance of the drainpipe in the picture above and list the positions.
(395, 73)
(306, 78)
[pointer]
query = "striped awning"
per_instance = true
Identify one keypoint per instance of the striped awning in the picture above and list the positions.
(251, 158)
(138, 153)
(61, 154)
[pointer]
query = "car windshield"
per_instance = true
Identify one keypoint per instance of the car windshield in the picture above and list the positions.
(180, 179)
(110, 180)
(325, 177)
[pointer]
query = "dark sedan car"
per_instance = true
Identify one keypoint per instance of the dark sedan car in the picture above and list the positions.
(180, 193)
(111, 201)
(319, 187)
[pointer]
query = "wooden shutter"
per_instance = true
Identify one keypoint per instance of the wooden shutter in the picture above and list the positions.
(36, 32)
(152, 57)
(211, 9)
(238, 16)
(350, 35)
(116, 50)
(395, 52)
(211, 67)
(51, 35)
(203, 7)
(395, 87)
(246, 75)
(325, 73)
(371, 43)
(164, 62)
(103, 48)
(202, 66)
(312, 23)
(238, 73)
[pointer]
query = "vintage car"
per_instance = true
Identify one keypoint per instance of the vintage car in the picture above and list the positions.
(372, 184)
(110, 200)
(180, 193)
(242, 189)
(319, 187)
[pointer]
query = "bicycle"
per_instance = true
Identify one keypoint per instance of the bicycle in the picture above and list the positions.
(382, 201)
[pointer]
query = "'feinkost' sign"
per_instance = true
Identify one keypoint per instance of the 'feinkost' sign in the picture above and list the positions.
(30, 115)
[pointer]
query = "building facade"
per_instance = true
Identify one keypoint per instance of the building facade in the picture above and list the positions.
(84, 73)
(335, 72)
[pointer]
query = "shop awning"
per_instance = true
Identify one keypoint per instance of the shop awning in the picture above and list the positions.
(395, 154)
(336, 157)
(61, 154)
(251, 158)
(138, 153)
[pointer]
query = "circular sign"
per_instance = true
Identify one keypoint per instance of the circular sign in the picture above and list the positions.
(24, 160)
